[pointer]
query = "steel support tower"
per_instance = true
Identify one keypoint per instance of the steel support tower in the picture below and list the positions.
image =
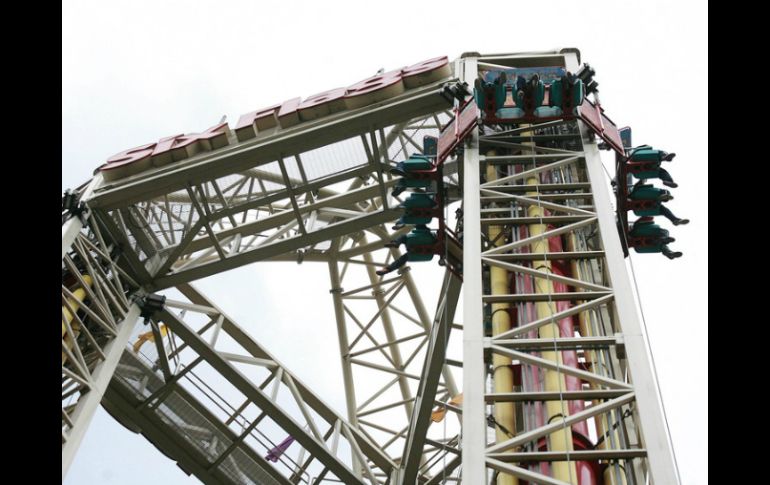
(556, 380)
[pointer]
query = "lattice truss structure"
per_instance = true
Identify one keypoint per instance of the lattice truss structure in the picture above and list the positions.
(207, 394)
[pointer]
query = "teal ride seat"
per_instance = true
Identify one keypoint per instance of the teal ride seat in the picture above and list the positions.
(554, 102)
(650, 211)
(417, 162)
(413, 257)
(557, 93)
(415, 183)
(647, 155)
(648, 171)
(578, 95)
(648, 192)
(515, 111)
(412, 219)
(416, 201)
(490, 94)
(419, 200)
(420, 236)
(645, 161)
(647, 229)
(430, 146)
(565, 96)
(481, 98)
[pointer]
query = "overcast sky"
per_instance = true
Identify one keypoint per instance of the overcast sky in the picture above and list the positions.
(134, 72)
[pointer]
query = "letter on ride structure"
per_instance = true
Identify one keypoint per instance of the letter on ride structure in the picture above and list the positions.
(188, 145)
(129, 162)
(167, 150)
(322, 104)
(287, 115)
(426, 72)
(251, 123)
(161, 155)
(373, 89)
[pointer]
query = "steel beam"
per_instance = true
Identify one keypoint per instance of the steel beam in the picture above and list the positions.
(275, 249)
(260, 399)
(653, 429)
(239, 335)
(434, 364)
(97, 384)
(265, 149)
(474, 418)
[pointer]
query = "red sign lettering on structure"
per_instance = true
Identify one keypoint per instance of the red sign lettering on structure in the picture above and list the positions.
(322, 104)
(167, 150)
(284, 115)
(244, 129)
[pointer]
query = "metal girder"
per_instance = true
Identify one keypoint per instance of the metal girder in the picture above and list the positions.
(348, 199)
(446, 471)
(383, 291)
(652, 420)
(555, 425)
(160, 436)
(97, 384)
(211, 239)
(533, 171)
(574, 310)
(524, 473)
(571, 371)
(275, 249)
(258, 397)
(566, 343)
(73, 225)
(564, 183)
(589, 455)
(473, 419)
(262, 150)
(308, 396)
(69, 231)
(515, 268)
(554, 396)
(168, 424)
(306, 401)
(97, 320)
(434, 363)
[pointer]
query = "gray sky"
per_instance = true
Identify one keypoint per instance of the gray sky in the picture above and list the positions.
(133, 72)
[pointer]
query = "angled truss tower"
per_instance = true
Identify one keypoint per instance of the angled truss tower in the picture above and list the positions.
(552, 381)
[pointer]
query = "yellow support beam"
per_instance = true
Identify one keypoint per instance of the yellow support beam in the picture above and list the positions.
(560, 440)
(502, 374)
(79, 295)
(149, 337)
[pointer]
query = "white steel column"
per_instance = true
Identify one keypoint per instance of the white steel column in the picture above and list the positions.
(390, 335)
(427, 322)
(474, 439)
(69, 231)
(653, 430)
(100, 379)
(342, 335)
